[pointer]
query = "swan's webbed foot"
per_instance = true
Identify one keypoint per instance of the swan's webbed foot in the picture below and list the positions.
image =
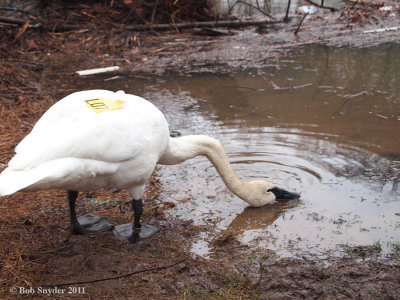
(130, 233)
(85, 224)
(135, 232)
(90, 224)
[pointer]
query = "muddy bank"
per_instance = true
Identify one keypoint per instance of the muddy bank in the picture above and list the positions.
(248, 49)
(38, 251)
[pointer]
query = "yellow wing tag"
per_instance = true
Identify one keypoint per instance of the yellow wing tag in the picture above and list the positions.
(101, 104)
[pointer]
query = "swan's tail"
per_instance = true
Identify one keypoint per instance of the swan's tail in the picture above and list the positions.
(12, 181)
(65, 173)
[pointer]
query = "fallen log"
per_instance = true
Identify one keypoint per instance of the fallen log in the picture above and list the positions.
(63, 27)
(178, 26)
(148, 27)
(206, 31)
(10, 20)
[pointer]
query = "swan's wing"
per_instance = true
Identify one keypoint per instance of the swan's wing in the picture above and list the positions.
(71, 129)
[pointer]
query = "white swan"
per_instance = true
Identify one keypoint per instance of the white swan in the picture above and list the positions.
(98, 138)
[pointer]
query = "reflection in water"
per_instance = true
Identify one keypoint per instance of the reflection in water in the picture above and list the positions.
(258, 218)
(331, 134)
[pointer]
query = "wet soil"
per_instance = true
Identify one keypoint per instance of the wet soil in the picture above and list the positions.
(39, 255)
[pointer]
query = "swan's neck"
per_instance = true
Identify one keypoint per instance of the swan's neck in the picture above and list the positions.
(186, 147)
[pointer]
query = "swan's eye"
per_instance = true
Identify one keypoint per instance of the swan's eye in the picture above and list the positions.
(270, 191)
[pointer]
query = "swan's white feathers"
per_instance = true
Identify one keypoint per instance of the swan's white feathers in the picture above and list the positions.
(71, 140)
(74, 147)
(71, 129)
(81, 174)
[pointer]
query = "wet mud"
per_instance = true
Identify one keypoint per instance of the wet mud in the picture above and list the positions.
(40, 256)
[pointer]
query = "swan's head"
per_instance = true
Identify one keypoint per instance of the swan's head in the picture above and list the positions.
(260, 193)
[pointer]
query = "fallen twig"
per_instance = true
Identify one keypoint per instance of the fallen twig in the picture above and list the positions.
(309, 42)
(277, 87)
(97, 71)
(63, 27)
(22, 30)
(334, 115)
(347, 99)
(153, 14)
(245, 87)
(382, 29)
(274, 85)
(21, 61)
(72, 283)
(18, 10)
(301, 22)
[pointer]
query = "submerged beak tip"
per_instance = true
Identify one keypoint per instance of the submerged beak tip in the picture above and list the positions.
(283, 194)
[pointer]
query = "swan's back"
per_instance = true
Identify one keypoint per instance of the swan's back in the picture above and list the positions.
(97, 132)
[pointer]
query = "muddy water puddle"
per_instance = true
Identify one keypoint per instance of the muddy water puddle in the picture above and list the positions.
(319, 121)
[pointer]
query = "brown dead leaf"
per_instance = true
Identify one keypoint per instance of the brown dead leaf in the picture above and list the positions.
(21, 99)
(32, 46)
(169, 204)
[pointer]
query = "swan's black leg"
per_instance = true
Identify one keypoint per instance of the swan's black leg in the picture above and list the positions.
(85, 224)
(75, 226)
(136, 232)
(137, 206)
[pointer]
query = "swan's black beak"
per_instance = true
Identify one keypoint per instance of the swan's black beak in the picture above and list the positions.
(281, 194)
